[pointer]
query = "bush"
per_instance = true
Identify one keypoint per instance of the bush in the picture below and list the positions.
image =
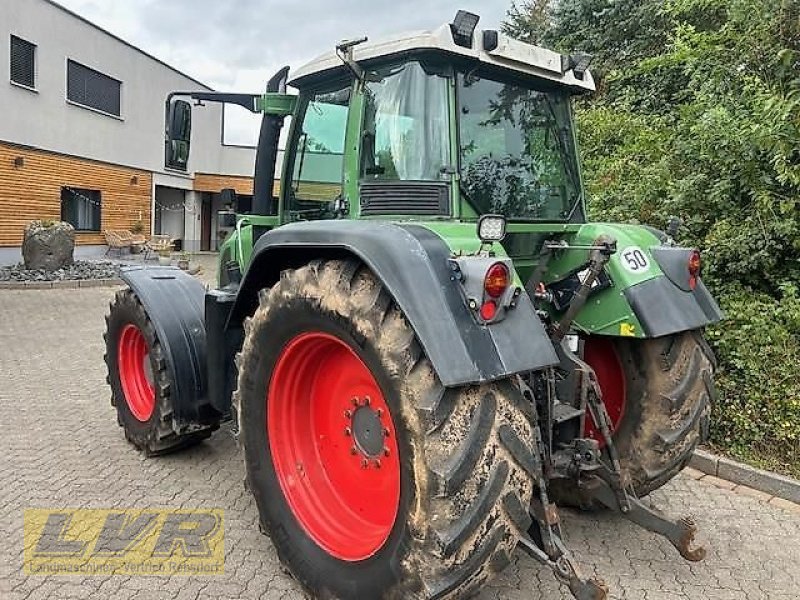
(698, 115)
(757, 415)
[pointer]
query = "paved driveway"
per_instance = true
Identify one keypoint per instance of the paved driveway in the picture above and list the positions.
(60, 447)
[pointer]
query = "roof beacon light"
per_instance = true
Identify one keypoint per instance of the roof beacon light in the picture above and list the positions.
(491, 228)
(463, 27)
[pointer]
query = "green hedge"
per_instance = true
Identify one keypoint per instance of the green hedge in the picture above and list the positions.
(757, 416)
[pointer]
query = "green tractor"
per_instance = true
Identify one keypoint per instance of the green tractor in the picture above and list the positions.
(421, 343)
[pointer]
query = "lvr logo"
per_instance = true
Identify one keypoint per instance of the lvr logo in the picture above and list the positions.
(130, 541)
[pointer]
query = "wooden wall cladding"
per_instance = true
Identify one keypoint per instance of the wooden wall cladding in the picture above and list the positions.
(206, 182)
(30, 188)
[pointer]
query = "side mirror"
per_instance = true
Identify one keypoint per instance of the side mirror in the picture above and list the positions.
(179, 134)
(228, 198)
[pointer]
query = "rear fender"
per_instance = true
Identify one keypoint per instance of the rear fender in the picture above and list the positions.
(174, 302)
(650, 296)
(412, 263)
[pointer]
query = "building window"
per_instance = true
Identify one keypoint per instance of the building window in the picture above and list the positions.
(92, 89)
(23, 62)
(81, 208)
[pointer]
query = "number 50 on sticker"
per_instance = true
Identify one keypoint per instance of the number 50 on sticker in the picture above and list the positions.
(634, 259)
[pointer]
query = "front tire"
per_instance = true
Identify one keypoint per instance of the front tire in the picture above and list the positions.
(139, 379)
(442, 512)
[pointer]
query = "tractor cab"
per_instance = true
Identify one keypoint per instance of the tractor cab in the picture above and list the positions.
(448, 124)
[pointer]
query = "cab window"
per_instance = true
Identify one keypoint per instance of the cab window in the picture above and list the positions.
(317, 172)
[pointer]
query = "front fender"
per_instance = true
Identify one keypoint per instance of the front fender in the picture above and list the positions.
(174, 301)
(411, 261)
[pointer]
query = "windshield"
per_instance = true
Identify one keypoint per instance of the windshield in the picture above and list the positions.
(516, 149)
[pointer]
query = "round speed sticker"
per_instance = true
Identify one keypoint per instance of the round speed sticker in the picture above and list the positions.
(634, 259)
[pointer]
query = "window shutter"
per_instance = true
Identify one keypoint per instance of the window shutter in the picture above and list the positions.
(23, 62)
(91, 88)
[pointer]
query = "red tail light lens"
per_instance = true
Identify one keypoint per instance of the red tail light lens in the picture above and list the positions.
(488, 310)
(496, 280)
(695, 265)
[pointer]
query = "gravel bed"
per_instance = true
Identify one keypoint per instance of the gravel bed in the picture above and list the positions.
(79, 270)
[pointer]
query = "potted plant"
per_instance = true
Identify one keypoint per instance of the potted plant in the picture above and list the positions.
(164, 257)
(183, 261)
(138, 240)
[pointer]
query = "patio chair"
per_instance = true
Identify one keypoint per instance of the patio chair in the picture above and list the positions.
(117, 240)
(138, 242)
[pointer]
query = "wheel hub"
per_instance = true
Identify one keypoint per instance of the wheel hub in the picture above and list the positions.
(368, 431)
(601, 355)
(135, 372)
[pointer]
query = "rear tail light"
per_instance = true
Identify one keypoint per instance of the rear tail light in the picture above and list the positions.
(695, 265)
(488, 310)
(496, 281)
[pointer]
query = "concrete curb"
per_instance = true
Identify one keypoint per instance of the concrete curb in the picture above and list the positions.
(745, 475)
(60, 285)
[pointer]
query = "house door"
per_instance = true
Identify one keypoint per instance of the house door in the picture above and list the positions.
(205, 223)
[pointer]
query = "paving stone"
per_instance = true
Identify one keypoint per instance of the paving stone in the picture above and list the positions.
(693, 473)
(61, 447)
(720, 483)
(785, 505)
(757, 494)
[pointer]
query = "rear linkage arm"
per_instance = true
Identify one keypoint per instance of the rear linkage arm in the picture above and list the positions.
(597, 482)
(610, 485)
(551, 550)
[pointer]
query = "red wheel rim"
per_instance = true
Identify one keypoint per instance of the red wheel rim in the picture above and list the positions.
(135, 373)
(333, 445)
(600, 354)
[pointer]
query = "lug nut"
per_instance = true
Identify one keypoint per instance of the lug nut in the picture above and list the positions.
(377, 463)
(367, 401)
(347, 414)
(385, 433)
(386, 451)
(353, 450)
(355, 401)
(379, 412)
(364, 463)
(348, 432)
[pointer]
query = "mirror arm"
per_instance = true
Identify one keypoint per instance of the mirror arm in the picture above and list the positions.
(247, 101)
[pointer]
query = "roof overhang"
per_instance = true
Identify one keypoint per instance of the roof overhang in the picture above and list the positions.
(504, 52)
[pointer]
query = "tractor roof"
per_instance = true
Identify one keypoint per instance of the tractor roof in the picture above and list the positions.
(488, 46)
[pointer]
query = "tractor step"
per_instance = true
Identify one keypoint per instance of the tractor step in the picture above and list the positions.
(564, 412)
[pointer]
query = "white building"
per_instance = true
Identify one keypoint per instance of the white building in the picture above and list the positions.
(82, 135)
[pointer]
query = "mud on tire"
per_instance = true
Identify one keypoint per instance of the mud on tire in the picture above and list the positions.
(155, 435)
(465, 452)
(670, 393)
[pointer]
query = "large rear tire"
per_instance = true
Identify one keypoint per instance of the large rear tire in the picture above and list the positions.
(658, 393)
(432, 512)
(139, 380)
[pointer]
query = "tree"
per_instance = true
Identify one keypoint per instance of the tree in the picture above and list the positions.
(698, 114)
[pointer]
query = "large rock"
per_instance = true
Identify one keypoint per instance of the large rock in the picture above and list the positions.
(48, 245)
